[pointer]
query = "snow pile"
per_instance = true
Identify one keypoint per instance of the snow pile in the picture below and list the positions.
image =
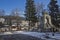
(34, 34)
(39, 35)
(56, 36)
(6, 33)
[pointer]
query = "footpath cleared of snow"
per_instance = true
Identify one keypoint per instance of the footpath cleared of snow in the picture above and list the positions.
(34, 34)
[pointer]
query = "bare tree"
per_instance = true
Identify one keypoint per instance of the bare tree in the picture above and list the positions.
(39, 10)
(2, 12)
(16, 13)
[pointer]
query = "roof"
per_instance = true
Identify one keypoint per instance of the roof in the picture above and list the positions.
(13, 17)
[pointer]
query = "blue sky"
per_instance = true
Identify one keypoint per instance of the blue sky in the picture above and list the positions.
(8, 5)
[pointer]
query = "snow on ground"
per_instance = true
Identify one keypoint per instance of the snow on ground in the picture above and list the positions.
(34, 34)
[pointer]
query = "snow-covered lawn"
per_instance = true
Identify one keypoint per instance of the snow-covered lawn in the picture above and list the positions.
(34, 34)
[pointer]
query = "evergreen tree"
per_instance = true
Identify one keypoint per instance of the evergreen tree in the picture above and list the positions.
(30, 12)
(54, 12)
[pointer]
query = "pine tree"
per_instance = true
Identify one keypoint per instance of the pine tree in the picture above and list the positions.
(30, 12)
(54, 11)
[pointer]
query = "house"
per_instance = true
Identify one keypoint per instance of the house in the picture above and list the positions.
(15, 23)
(2, 20)
(10, 21)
